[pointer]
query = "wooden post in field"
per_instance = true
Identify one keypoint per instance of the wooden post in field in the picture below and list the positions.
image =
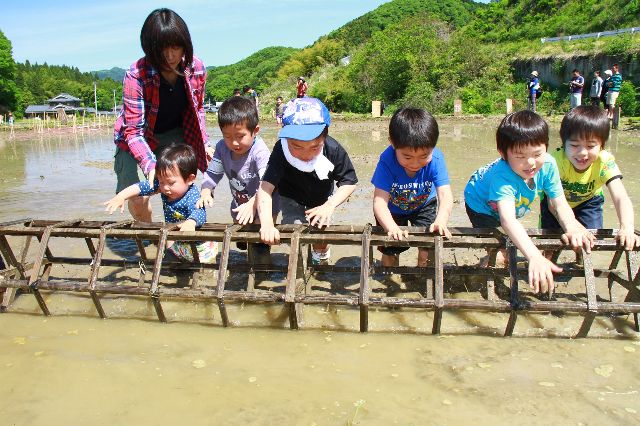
(376, 109)
(509, 106)
(616, 117)
(457, 108)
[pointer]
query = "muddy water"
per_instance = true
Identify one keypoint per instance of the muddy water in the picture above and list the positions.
(75, 368)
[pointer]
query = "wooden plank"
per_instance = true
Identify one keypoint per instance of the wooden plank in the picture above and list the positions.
(157, 267)
(365, 271)
(439, 286)
(633, 275)
(514, 298)
(590, 289)
(222, 272)
(289, 296)
(97, 261)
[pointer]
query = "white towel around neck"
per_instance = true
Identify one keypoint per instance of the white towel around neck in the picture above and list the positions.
(320, 163)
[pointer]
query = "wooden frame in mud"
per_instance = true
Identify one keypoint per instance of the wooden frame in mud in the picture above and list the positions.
(34, 277)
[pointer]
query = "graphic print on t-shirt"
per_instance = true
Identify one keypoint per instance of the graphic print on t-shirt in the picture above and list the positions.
(410, 196)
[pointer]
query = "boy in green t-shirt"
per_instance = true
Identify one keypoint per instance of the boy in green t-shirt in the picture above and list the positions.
(585, 167)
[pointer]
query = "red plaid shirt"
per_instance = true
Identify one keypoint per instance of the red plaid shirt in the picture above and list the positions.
(134, 126)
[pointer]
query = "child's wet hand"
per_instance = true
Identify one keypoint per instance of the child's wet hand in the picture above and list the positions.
(440, 229)
(579, 238)
(246, 213)
(209, 152)
(205, 200)
(628, 239)
(541, 272)
(113, 204)
(187, 225)
(269, 235)
(398, 234)
(320, 216)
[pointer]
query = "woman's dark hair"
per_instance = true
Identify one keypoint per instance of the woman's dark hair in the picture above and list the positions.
(413, 128)
(164, 28)
(238, 110)
(521, 128)
(585, 122)
(181, 156)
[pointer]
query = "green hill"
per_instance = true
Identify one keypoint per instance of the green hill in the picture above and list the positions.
(115, 74)
(257, 71)
(455, 12)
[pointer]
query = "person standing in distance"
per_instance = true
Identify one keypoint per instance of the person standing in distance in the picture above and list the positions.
(301, 88)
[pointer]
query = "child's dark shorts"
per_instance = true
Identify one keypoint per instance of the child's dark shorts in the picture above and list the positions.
(424, 216)
(481, 220)
(292, 211)
(589, 214)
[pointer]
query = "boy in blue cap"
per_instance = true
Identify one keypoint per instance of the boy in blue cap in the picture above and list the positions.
(303, 166)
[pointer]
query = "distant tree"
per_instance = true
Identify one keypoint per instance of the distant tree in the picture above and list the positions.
(8, 88)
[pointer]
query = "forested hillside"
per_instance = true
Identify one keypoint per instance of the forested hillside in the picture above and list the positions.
(455, 12)
(37, 83)
(257, 70)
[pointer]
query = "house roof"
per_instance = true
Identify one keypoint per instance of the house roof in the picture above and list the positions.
(64, 97)
(40, 109)
(37, 109)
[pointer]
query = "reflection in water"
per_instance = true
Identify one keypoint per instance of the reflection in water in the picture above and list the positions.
(196, 372)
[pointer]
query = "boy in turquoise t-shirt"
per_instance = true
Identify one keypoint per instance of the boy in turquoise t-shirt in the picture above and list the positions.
(585, 168)
(503, 191)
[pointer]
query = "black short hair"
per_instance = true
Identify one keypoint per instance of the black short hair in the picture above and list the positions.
(576, 70)
(181, 156)
(586, 122)
(596, 72)
(519, 129)
(164, 28)
(413, 128)
(238, 110)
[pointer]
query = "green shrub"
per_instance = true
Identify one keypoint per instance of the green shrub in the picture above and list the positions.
(628, 99)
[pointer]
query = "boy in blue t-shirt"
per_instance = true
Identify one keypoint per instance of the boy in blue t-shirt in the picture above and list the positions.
(500, 193)
(411, 182)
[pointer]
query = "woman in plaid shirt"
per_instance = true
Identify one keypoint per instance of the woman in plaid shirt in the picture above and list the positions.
(162, 103)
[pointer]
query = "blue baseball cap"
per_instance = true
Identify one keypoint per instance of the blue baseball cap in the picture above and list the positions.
(304, 119)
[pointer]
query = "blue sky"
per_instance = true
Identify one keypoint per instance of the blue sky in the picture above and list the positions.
(100, 35)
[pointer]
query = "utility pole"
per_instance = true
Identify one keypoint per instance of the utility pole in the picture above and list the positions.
(95, 98)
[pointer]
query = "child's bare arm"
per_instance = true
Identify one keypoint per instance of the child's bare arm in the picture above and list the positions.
(541, 269)
(624, 209)
(574, 233)
(381, 210)
(268, 232)
(445, 205)
(120, 198)
(321, 215)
